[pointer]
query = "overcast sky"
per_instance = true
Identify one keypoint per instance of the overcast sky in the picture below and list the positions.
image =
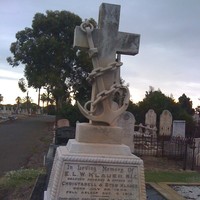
(169, 55)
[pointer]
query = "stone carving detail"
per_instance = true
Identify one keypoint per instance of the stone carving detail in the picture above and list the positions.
(127, 169)
(103, 43)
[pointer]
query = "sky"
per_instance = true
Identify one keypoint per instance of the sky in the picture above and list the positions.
(169, 53)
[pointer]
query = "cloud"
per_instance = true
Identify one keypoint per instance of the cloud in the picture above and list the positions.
(169, 53)
(8, 78)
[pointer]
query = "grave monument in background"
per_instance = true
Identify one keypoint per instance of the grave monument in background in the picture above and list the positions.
(178, 128)
(165, 124)
(96, 165)
(127, 122)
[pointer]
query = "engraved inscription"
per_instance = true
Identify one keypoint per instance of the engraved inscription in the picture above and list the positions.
(99, 182)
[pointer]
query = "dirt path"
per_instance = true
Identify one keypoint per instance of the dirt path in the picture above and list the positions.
(23, 138)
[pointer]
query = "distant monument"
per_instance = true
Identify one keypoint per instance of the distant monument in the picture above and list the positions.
(96, 165)
(165, 123)
(127, 122)
(150, 118)
(178, 129)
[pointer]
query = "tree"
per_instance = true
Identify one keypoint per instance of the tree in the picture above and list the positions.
(44, 98)
(47, 52)
(24, 88)
(156, 100)
(81, 87)
(18, 101)
(22, 85)
(186, 104)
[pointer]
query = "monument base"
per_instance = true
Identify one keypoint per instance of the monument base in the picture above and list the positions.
(91, 171)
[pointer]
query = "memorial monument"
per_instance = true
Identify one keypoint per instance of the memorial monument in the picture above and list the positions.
(96, 165)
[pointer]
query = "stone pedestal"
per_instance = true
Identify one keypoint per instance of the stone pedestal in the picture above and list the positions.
(96, 171)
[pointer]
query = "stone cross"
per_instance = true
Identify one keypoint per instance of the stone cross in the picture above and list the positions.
(103, 44)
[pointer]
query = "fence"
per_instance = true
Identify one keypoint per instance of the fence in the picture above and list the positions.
(146, 145)
(184, 150)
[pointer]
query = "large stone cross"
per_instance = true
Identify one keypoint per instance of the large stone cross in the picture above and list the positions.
(105, 42)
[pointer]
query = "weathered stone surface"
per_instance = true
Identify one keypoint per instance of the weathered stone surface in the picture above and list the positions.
(103, 44)
(96, 165)
(178, 128)
(98, 134)
(62, 123)
(165, 123)
(106, 176)
(150, 118)
(127, 122)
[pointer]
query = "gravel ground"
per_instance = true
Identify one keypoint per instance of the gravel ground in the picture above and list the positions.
(188, 192)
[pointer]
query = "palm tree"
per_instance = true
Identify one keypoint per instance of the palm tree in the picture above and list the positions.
(18, 102)
(44, 98)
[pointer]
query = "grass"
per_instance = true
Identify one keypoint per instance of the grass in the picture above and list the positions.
(18, 178)
(164, 176)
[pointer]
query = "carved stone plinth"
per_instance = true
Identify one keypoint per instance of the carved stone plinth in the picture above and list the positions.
(93, 171)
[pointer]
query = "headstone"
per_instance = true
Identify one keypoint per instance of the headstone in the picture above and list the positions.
(39, 111)
(197, 151)
(12, 110)
(150, 122)
(4, 109)
(178, 128)
(150, 118)
(62, 123)
(165, 123)
(96, 165)
(197, 161)
(127, 122)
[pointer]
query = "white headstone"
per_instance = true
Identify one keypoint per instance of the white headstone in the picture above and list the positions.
(127, 122)
(96, 165)
(178, 128)
(12, 110)
(150, 122)
(150, 118)
(39, 111)
(4, 109)
(96, 171)
(165, 123)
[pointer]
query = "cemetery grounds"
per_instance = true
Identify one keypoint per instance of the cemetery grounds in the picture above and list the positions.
(18, 185)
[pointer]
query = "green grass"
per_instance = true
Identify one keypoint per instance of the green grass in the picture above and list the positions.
(164, 176)
(18, 178)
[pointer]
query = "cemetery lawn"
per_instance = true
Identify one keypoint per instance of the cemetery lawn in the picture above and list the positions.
(172, 176)
(18, 184)
(158, 169)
